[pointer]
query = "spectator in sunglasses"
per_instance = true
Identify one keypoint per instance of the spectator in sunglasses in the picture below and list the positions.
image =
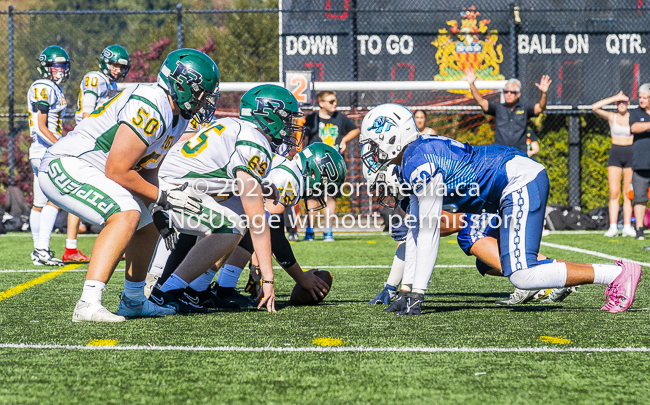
(334, 129)
(511, 117)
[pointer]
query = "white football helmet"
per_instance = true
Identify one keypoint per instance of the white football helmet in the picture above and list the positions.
(387, 129)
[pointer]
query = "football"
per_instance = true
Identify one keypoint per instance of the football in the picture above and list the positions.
(300, 296)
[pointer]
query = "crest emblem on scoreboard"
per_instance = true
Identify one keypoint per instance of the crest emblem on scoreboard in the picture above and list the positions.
(468, 44)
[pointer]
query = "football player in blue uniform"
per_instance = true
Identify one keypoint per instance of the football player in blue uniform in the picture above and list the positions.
(477, 179)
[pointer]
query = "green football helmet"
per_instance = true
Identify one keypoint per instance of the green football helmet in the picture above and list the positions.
(192, 79)
(54, 58)
(323, 170)
(272, 109)
(114, 55)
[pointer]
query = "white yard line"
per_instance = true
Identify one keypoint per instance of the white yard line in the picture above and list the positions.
(591, 252)
(379, 266)
(544, 349)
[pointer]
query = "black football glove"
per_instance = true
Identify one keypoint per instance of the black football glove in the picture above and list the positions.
(165, 227)
(254, 279)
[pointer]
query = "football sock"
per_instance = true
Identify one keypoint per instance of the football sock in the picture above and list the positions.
(134, 290)
(605, 274)
(202, 282)
(35, 224)
(160, 257)
(550, 275)
(228, 275)
(417, 291)
(92, 291)
(406, 287)
(173, 283)
(71, 244)
(327, 230)
(48, 218)
(397, 268)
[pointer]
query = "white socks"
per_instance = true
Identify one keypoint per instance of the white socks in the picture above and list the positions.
(35, 224)
(47, 220)
(549, 275)
(605, 274)
(397, 269)
(229, 275)
(202, 282)
(159, 260)
(173, 283)
(134, 290)
(92, 292)
(71, 244)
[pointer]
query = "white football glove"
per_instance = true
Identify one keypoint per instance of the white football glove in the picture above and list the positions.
(178, 200)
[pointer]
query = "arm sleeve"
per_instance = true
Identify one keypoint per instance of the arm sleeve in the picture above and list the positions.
(492, 109)
(428, 237)
(144, 120)
(88, 102)
(280, 246)
(530, 109)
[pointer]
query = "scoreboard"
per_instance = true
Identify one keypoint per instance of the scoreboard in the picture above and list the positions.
(591, 49)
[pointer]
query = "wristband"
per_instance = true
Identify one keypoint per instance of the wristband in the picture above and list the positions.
(262, 282)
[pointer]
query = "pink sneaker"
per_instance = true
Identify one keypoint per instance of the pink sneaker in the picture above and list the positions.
(621, 291)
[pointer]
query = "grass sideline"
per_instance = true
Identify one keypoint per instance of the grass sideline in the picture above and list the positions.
(459, 313)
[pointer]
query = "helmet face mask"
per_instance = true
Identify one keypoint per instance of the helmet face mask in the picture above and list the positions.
(323, 171)
(273, 110)
(114, 55)
(192, 80)
(54, 64)
(386, 131)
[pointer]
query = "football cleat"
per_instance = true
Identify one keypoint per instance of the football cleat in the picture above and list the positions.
(413, 305)
(558, 294)
(42, 257)
(518, 297)
(149, 283)
(94, 312)
(385, 296)
(309, 235)
(133, 308)
(232, 295)
(328, 237)
(175, 300)
(74, 256)
(398, 304)
(294, 237)
(621, 291)
(207, 298)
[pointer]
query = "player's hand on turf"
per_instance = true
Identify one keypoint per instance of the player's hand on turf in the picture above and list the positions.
(316, 287)
(270, 191)
(469, 75)
(267, 297)
(178, 200)
(544, 84)
(165, 227)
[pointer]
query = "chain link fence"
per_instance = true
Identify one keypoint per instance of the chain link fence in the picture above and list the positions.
(590, 49)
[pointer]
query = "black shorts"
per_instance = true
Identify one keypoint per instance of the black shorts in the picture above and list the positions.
(620, 156)
(640, 184)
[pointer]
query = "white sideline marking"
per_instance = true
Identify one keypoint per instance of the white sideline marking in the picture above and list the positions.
(591, 252)
(446, 266)
(544, 349)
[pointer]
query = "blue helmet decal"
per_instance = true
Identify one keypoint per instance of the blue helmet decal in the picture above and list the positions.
(382, 124)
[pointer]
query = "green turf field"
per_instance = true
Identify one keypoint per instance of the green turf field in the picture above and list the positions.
(256, 357)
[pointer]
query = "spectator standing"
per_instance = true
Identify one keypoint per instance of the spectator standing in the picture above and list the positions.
(421, 122)
(334, 129)
(511, 118)
(620, 161)
(640, 128)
